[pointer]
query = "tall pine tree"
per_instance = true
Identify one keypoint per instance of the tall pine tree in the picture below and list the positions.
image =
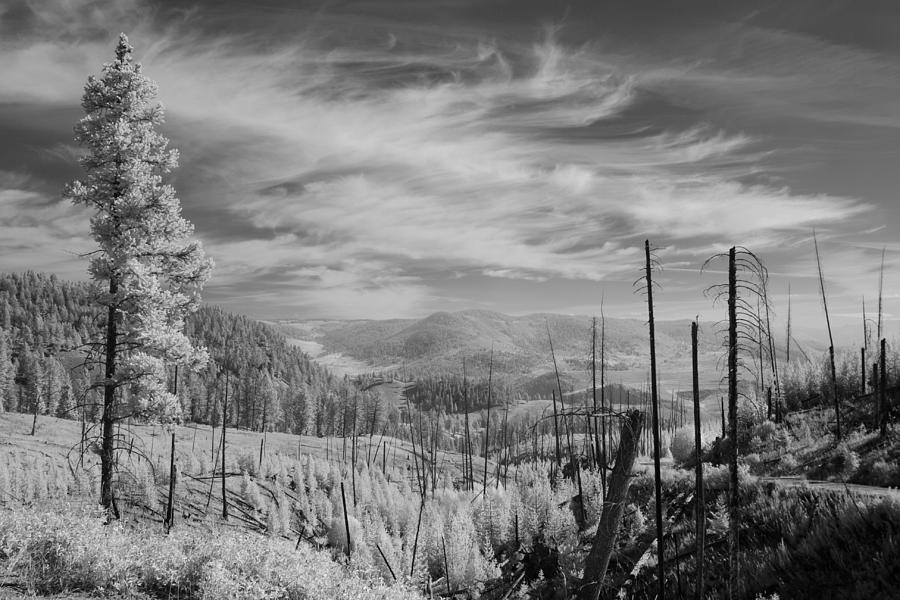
(147, 263)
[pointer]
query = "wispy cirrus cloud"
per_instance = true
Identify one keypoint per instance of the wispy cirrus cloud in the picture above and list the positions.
(344, 168)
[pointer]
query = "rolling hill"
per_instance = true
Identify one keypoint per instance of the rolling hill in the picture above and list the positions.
(438, 343)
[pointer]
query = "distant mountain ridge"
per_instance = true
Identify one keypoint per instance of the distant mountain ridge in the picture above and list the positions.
(438, 344)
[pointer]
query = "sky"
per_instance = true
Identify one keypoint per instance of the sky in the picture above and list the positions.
(391, 158)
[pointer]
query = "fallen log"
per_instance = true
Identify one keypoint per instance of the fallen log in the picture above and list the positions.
(613, 506)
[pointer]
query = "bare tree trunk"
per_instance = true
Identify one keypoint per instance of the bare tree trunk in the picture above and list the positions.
(881, 294)
(346, 521)
(504, 448)
(862, 371)
(603, 407)
(412, 565)
(591, 437)
(353, 449)
(876, 383)
(559, 389)
(224, 423)
(834, 392)
(386, 563)
(654, 401)
(733, 502)
(722, 402)
(882, 390)
(262, 444)
(613, 506)
(773, 356)
(787, 354)
(81, 455)
(467, 450)
(412, 439)
(446, 565)
(698, 496)
(487, 424)
(556, 430)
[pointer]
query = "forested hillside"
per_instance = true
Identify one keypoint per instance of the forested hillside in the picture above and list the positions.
(47, 330)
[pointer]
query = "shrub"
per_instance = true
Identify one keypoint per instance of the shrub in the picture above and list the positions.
(246, 462)
(788, 464)
(885, 474)
(683, 446)
(633, 523)
(337, 533)
(716, 477)
(752, 461)
(844, 463)
(250, 492)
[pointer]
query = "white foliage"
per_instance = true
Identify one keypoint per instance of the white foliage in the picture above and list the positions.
(154, 270)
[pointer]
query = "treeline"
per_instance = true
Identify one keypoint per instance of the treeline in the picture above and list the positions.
(444, 391)
(451, 394)
(47, 327)
(42, 321)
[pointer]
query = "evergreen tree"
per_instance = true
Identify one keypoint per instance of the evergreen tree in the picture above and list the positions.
(150, 267)
(5, 314)
(31, 376)
(7, 373)
(66, 407)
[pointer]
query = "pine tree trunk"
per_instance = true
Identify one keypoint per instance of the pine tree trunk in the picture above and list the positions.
(613, 506)
(107, 449)
(34, 420)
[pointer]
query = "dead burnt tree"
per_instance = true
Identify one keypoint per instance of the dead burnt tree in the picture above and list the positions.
(170, 504)
(613, 507)
(556, 430)
(834, 390)
(224, 424)
(412, 438)
(646, 283)
(884, 411)
(603, 406)
(349, 548)
(699, 500)
(747, 278)
(592, 433)
(467, 444)
(562, 403)
(487, 423)
(573, 461)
